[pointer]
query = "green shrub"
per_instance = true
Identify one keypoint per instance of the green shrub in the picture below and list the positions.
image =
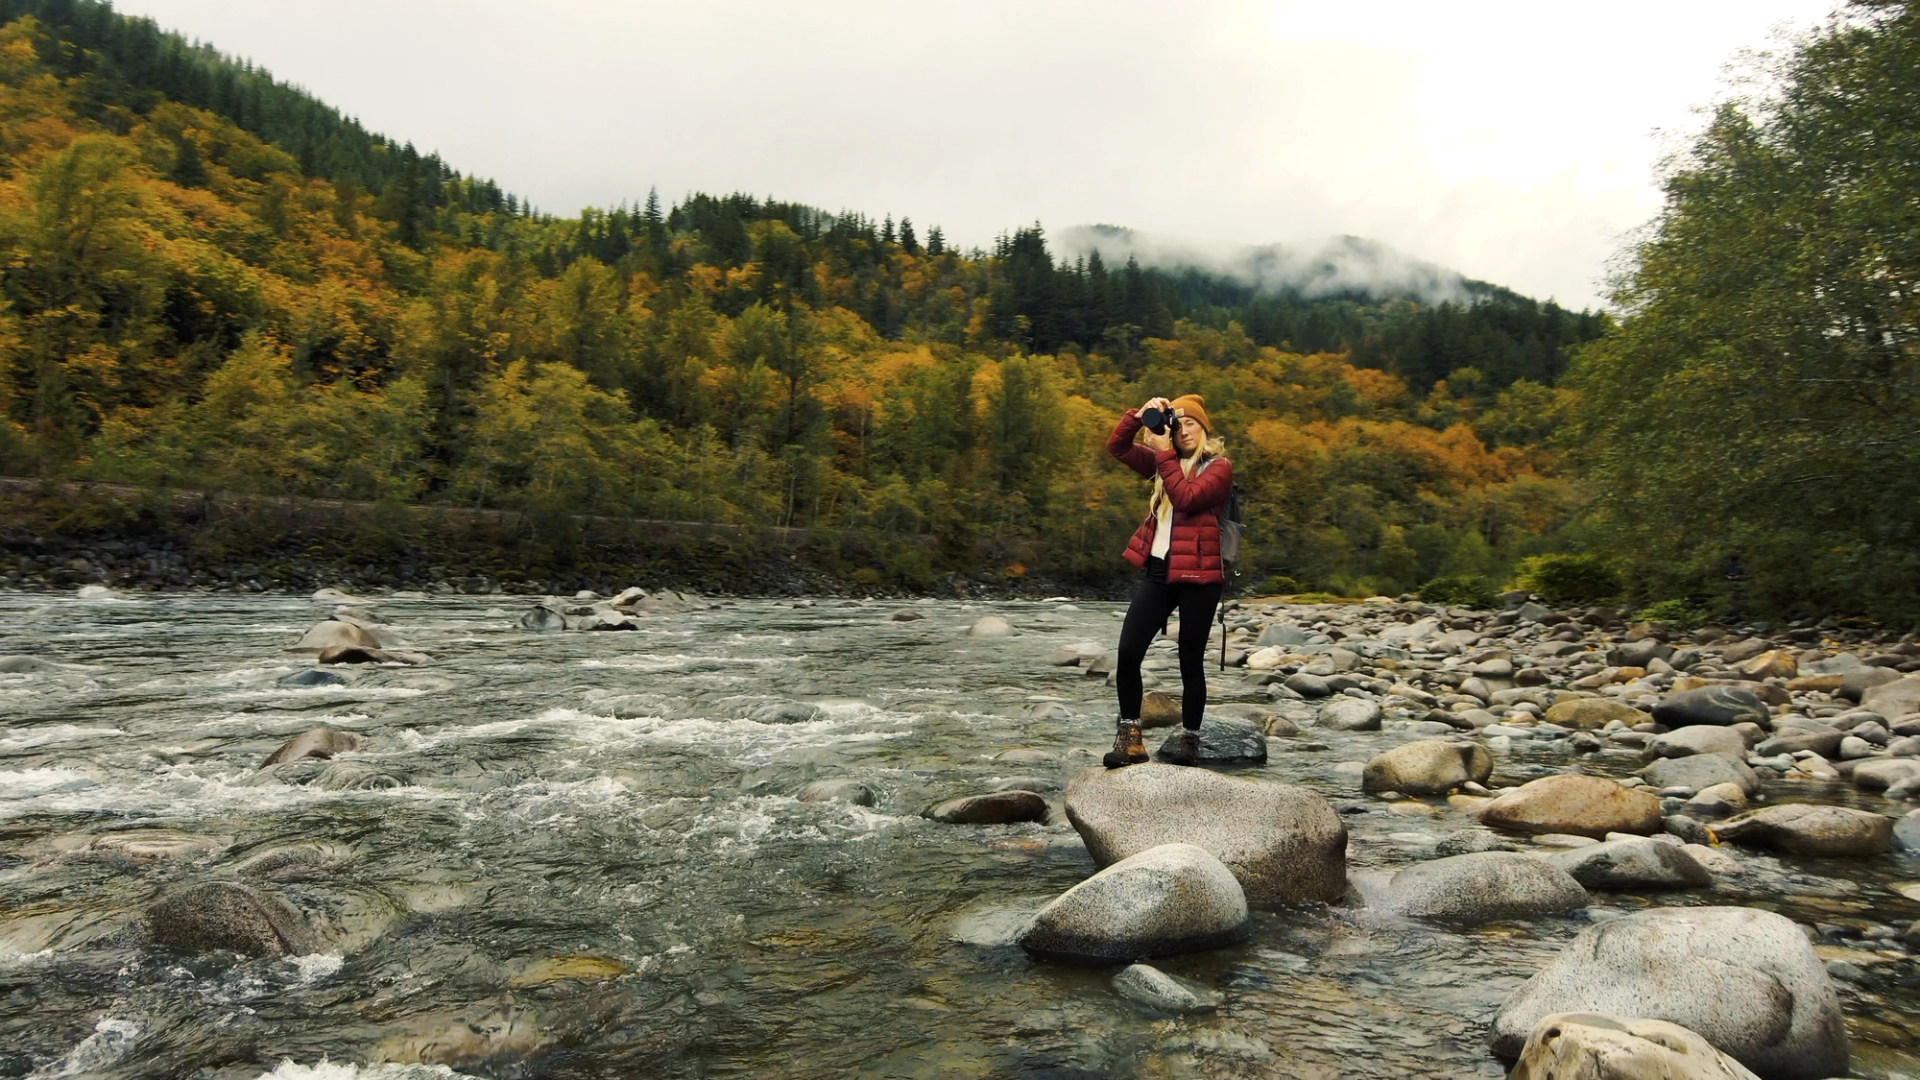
(867, 576)
(1678, 613)
(1463, 590)
(1569, 579)
(1276, 585)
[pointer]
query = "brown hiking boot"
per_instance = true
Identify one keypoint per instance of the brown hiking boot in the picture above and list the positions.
(1182, 749)
(1128, 749)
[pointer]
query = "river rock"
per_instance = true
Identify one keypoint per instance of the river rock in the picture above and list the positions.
(1735, 652)
(1822, 741)
(1748, 981)
(543, 619)
(314, 677)
(1720, 706)
(1428, 767)
(353, 654)
(1701, 771)
(334, 633)
(316, 742)
(1805, 829)
(848, 791)
(1716, 801)
(993, 808)
(1772, 664)
(1594, 713)
(226, 915)
(1308, 685)
(1883, 774)
(1572, 803)
(1171, 898)
(1855, 684)
(1158, 990)
(1159, 709)
(1592, 1046)
(905, 615)
(1699, 739)
(1632, 863)
(1893, 699)
(1483, 886)
(783, 712)
(1349, 714)
(1225, 740)
(1285, 843)
(990, 626)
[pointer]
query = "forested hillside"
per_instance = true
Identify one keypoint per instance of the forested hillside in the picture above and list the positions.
(215, 280)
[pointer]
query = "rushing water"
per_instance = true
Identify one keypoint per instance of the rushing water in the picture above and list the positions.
(580, 854)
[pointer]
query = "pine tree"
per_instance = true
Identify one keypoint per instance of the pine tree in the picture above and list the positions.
(908, 242)
(936, 242)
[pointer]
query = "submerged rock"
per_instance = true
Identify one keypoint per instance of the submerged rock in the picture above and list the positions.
(1634, 863)
(1483, 886)
(1172, 898)
(1428, 767)
(1572, 803)
(25, 665)
(316, 742)
(1698, 739)
(226, 915)
(1592, 1046)
(1285, 844)
(357, 776)
(543, 619)
(1804, 829)
(1226, 741)
(314, 677)
(1158, 990)
(1746, 980)
(993, 808)
(849, 791)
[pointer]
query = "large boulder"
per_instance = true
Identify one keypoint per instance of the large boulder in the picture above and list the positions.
(1720, 706)
(1592, 1046)
(990, 626)
(994, 808)
(1631, 863)
(334, 633)
(1349, 714)
(1893, 699)
(226, 915)
(1572, 803)
(1701, 771)
(323, 742)
(1748, 981)
(1226, 740)
(1428, 767)
(1805, 829)
(1173, 898)
(1594, 713)
(1482, 886)
(1286, 844)
(1699, 739)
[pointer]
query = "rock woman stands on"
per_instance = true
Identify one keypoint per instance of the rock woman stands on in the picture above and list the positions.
(1177, 549)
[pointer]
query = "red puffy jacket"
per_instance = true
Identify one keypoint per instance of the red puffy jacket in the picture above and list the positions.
(1194, 555)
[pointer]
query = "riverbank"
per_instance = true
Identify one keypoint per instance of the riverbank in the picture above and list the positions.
(59, 536)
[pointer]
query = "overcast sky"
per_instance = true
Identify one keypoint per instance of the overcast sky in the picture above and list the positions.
(1515, 140)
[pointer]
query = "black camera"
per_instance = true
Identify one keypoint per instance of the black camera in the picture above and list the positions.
(1156, 420)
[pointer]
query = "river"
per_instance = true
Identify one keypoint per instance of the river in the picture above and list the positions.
(580, 854)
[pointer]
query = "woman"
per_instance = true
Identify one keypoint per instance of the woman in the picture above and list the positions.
(1177, 549)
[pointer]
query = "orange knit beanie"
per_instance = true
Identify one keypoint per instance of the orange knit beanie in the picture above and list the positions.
(1195, 406)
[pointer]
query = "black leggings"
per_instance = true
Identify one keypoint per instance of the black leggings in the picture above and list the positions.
(1153, 601)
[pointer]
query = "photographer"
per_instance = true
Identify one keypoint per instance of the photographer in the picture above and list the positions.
(1177, 549)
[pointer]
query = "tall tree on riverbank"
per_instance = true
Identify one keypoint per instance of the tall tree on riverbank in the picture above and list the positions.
(1762, 396)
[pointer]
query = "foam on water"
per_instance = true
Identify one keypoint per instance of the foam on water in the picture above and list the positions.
(109, 1043)
(54, 735)
(288, 1069)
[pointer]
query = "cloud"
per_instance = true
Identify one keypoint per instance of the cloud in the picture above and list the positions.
(1341, 264)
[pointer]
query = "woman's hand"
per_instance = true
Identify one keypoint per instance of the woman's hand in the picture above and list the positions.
(1155, 403)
